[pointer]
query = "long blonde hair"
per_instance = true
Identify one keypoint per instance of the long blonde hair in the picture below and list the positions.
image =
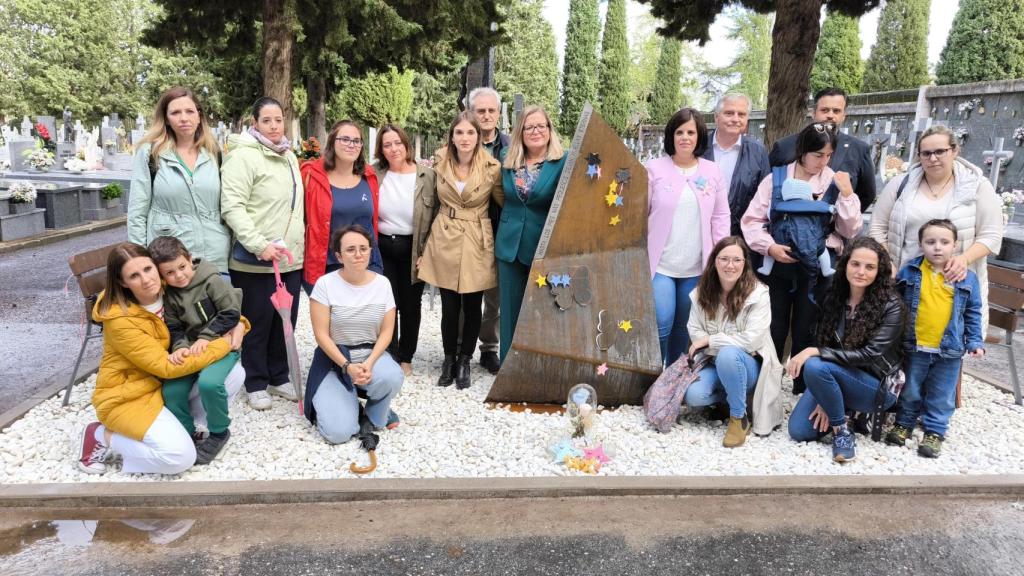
(451, 153)
(516, 155)
(161, 136)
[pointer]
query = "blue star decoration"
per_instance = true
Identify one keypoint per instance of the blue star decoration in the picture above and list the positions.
(618, 200)
(592, 170)
(566, 279)
(701, 182)
(564, 449)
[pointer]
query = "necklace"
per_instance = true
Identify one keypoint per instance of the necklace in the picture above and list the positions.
(932, 193)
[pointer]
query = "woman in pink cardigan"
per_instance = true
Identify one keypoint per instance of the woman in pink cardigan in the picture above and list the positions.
(793, 308)
(688, 215)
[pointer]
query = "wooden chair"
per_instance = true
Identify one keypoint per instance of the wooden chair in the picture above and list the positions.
(90, 270)
(1005, 299)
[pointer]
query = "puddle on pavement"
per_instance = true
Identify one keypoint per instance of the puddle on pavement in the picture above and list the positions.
(81, 533)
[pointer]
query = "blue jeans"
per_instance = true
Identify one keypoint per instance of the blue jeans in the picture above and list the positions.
(732, 378)
(931, 380)
(836, 388)
(337, 402)
(672, 310)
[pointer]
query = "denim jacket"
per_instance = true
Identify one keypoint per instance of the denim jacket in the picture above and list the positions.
(963, 333)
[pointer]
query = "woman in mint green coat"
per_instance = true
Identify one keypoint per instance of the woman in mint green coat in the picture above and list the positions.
(176, 181)
(530, 170)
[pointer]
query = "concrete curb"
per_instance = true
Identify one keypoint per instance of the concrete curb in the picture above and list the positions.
(197, 494)
(57, 235)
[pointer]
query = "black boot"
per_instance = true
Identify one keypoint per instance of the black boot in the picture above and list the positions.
(462, 372)
(447, 371)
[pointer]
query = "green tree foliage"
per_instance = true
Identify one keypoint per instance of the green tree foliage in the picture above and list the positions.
(579, 71)
(667, 96)
(378, 98)
(434, 104)
(752, 34)
(528, 63)
(642, 69)
(613, 86)
(899, 58)
(986, 42)
(837, 61)
(794, 40)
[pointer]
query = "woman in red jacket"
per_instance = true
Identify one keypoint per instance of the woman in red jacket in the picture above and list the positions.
(341, 189)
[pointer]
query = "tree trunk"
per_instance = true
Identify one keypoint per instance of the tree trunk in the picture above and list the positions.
(794, 40)
(278, 42)
(316, 103)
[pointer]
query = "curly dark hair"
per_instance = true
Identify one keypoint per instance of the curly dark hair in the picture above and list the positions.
(709, 288)
(871, 309)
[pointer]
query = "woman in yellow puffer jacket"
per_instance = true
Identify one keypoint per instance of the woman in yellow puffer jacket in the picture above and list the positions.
(133, 421)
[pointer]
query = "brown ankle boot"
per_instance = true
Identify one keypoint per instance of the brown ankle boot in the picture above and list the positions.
(737, 432)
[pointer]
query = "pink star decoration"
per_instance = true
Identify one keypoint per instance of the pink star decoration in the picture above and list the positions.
(596, 453)
(602, 369)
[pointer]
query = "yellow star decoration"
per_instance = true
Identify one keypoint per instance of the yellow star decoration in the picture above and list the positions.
(615, 220)
(613, 187)
(541, 280)
(626, 325)
(610, 198)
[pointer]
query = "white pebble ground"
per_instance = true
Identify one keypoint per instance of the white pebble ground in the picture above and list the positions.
(451, 433)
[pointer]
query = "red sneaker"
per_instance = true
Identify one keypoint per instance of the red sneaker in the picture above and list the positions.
(91, 453)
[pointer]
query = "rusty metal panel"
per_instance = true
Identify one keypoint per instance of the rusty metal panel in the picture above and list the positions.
(588, 303)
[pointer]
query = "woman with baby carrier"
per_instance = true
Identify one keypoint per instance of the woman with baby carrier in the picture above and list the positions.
(795, 282)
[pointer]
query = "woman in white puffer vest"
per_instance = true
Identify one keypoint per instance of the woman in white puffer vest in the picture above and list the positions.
(941, 184)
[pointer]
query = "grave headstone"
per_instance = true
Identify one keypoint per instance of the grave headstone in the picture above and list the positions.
(998, 155)
(65, 151)
(17, 150)
(50, 123)
(115, 120)
(26, 127)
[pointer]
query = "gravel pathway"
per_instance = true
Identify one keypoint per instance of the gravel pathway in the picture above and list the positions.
(452, 433)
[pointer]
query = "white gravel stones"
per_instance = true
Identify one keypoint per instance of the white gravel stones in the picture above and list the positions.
(451, 433)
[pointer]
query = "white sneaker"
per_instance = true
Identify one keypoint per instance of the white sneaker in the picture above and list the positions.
(259, 400)
(286, 391)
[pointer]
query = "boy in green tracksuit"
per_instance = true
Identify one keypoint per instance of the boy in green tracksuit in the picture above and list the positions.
(199, 306)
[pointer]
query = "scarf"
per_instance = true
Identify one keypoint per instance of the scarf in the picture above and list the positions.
(281, 147)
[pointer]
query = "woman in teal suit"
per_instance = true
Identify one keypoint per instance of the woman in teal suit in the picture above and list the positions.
(530, 169)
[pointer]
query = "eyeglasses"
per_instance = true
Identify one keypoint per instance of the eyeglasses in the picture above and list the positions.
(725, 261)
(937, 153)
(350, 142)
(353, 250)
(539, 128)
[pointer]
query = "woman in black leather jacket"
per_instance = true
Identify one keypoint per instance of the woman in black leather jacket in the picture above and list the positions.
(859, 344)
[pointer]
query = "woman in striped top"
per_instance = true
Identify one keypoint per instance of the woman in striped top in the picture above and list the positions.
(353, 315)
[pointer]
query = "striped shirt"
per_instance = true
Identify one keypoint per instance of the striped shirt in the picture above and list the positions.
(356, 311)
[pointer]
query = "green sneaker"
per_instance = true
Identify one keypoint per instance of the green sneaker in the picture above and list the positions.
(930, 446)
(898, 435)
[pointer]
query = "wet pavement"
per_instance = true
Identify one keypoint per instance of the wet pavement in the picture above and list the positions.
(41, 326)
(834, 535)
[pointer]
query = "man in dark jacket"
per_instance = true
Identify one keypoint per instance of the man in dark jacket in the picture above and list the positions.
(743, 161)
(851, 154)
(486, 106)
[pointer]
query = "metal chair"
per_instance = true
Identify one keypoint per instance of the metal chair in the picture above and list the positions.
(90, 270)
(1005, 299)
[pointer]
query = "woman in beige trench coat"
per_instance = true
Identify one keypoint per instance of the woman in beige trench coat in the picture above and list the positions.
(459, 255)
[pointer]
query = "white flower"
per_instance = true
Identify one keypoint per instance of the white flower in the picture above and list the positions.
(23, 193)
(76, 165)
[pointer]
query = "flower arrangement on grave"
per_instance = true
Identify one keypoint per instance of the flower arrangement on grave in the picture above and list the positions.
(964, 108)
(580, 408)
(1018, 135)
(868, 125)
(39, 158)
(961, 134)
(43, 133)
(22, 193)
(428, 162)
(76, 164)
(111, 191)
(1010, 200)
(894, 166)
(309, 149)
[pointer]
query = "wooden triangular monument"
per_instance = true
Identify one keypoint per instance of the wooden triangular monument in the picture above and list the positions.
(588, 312)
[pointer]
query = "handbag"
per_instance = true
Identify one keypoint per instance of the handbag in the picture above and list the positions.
(664, 398)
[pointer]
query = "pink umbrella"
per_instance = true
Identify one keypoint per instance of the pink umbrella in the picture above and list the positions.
(282, 300)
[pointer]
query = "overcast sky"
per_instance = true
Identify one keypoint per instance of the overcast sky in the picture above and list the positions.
(719, 52)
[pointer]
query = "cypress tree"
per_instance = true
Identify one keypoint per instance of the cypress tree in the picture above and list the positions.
(837, 61)
(899, 58)
(528, 65)
(667, 97)
(613, 89)
(579, 71)
(986, 42)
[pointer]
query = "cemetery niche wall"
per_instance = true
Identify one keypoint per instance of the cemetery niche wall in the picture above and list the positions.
(588, 312)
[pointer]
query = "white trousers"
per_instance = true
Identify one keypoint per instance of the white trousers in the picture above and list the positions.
(165, 449)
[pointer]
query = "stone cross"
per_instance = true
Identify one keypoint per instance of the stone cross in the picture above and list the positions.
(998, 154)
(26, 127)
(518, 104)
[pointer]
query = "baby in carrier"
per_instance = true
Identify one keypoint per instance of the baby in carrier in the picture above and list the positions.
(799, 221)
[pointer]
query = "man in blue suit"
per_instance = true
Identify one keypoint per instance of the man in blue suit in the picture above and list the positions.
(742, 160)
(851, 155)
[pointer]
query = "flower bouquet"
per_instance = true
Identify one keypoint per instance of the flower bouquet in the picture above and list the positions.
(1010, 200)
(309, 149)
(39, 158)
(76, 165)
(43, 133)
(22, 193)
